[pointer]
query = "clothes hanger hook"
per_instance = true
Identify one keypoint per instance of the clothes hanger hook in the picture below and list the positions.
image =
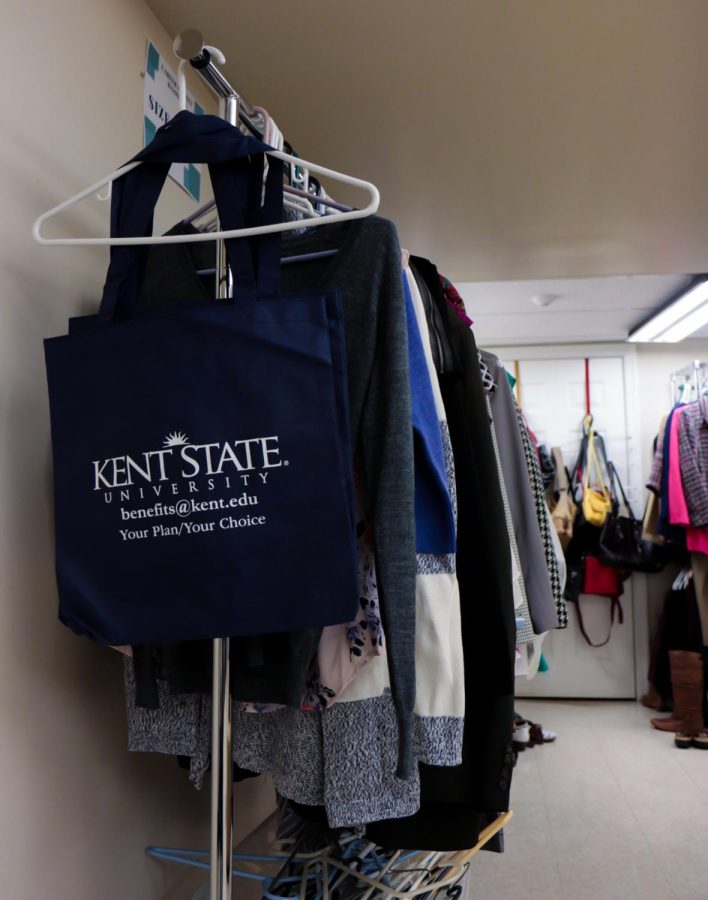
(188, 45)
(182, 83)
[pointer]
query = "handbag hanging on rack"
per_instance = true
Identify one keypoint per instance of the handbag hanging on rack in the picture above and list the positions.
(588, 575)
(564, 510)
(202, 456)
(547, 463)
(597, 499)
(621, 545)
(585, 535)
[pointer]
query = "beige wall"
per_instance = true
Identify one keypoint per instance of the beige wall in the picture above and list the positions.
(77, 810)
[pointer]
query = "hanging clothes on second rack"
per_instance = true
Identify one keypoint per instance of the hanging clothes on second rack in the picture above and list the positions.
(456, 800)
(679, 483)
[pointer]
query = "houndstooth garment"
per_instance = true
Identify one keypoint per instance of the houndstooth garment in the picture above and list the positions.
(488, 382)
(539, 497)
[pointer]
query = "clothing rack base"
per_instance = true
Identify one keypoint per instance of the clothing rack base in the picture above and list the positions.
(443, 869)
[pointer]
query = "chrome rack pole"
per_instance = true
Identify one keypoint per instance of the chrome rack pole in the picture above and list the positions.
(190, 45)
(222, 814)
(697, 378)
(221, 775)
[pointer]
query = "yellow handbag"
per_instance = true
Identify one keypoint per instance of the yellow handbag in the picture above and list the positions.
(597, 500)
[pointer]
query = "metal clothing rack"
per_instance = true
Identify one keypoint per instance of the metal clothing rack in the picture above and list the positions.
(189, 46)
(290, 868)
(693, 376)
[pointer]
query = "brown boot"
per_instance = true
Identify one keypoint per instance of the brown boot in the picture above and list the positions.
(670, 724)
(673, 722)
(653, 700)
(687, 687)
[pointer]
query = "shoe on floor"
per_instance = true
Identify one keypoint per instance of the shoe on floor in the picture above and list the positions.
(653, 700)
(521, 738)
(668, 724)
(541, 735)
(684, 741)
(687, 687)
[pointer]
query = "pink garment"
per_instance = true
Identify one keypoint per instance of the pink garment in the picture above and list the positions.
(696, 538)
(678, 508)
(345, 649)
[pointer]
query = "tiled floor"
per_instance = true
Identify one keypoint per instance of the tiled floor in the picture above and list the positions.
(610, 811)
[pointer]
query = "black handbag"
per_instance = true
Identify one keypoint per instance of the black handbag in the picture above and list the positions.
(548, 466)
(621, 545)
(575, 579)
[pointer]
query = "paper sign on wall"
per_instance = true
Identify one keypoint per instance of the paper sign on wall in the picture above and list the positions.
(161, 102)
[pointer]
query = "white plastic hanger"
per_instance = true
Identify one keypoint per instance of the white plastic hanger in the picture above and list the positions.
(272, 135)
(368, 210)
(683, 579)
(317, 220)
(209, 215)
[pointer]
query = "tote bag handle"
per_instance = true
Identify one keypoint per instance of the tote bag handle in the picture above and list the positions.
(236, 164)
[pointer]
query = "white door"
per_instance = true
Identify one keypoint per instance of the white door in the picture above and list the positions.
(552, 394)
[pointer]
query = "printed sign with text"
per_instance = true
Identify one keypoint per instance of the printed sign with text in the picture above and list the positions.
(161, 102)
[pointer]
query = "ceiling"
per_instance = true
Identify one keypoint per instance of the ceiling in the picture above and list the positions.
(587, 309)
(510, 139)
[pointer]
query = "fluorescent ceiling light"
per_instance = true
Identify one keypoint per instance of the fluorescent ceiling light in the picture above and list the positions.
(686, 326)
(685, 315)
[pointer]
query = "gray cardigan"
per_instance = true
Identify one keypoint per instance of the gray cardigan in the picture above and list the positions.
(367, 273)
(532, 556)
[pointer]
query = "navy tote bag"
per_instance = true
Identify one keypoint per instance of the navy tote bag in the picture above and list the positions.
(202, 456)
